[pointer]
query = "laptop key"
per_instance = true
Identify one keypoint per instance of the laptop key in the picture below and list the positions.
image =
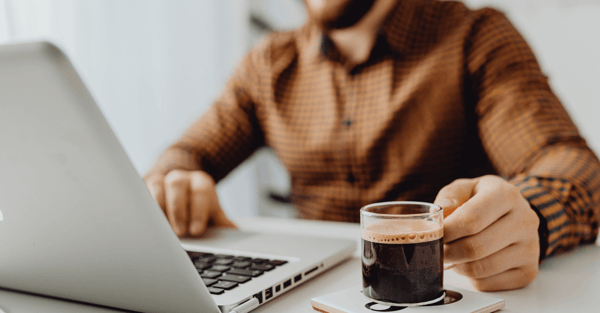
(223, 261)
(201, 254)
(201, 265)
(242, 264)
(219, 268)
(242, 259)
(277, 262)
(209, 282)
(262, 267)
(215, 291)
(227, 285)
(234, 278)
(245, 272)
(200, 271)
(193, 254)
(259, 260)
(206, 258)
(210, 274)
(224, 256)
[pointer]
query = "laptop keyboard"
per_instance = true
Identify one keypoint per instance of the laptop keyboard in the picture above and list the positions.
(222, 272)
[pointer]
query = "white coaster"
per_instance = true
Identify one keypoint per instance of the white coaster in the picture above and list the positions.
(457, 300)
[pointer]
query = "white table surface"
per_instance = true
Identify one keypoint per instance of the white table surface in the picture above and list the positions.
(569, 282)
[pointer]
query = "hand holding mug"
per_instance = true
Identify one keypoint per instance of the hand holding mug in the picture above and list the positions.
(492, 236)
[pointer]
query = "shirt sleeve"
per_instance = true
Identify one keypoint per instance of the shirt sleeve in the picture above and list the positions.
(225, 135)
(529, 136)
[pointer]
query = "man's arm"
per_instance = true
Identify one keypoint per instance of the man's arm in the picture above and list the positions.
(183, 179)
(548, 200)
(531, 139)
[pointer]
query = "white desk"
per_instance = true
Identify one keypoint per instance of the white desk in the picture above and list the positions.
(566, 283)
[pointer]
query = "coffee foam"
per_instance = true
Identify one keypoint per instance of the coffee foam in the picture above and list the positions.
(402, 231)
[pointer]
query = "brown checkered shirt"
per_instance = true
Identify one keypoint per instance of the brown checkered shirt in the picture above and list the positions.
(447, 93)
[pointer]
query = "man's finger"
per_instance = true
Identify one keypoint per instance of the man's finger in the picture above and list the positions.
(157, 190)
(494, 238)
(486, 206)
(513, 256)
(202, 189)
(176, 200)
(512, 279)
(454, 195)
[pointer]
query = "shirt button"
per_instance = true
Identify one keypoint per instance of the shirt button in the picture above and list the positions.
(347, 122)
(350, 178)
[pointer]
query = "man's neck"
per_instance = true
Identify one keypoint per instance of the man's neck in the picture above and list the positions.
(356, 43)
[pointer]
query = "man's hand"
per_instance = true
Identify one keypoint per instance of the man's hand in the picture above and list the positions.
(189, 200)
(492, 237)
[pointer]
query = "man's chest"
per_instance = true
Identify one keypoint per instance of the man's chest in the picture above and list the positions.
(323, 117)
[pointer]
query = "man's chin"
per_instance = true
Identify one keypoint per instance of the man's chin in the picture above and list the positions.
(340, 15)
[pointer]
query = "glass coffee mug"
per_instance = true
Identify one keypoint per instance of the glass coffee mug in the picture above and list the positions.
(402, 253)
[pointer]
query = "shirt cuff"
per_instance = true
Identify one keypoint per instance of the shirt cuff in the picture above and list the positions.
(540, 200)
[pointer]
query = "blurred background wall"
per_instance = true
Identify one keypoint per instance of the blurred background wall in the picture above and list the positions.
(153, 66)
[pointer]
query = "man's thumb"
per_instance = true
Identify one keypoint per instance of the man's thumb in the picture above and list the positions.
(448, 205)
(455, 194)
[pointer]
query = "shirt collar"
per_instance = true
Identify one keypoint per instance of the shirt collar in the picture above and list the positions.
(392, 38)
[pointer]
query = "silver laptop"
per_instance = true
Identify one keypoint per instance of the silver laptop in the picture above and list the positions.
(79, 223)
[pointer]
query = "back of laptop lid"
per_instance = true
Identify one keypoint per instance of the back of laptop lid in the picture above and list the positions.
(78, 221)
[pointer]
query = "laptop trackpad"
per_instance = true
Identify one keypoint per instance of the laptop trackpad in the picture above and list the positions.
(281, 244)
(225, 238)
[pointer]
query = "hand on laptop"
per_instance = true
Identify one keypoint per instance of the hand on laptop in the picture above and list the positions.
(189, 200)
(492, 237)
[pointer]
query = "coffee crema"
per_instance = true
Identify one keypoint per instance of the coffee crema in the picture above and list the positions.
(402, 260)
(402, 231)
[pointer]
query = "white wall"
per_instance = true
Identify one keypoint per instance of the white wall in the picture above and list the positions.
(152, 66)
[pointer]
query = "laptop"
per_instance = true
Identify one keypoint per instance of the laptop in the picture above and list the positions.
(79, 223)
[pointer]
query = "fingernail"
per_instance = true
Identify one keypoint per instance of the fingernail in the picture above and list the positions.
(180, 229)
(446, 203)
(196, 228)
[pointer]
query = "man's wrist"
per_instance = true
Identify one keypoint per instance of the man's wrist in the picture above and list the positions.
(542, 232)
(531, 191)
(173, 158)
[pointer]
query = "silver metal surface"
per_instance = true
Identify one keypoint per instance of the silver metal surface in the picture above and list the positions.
(303, 253)
(79, 222)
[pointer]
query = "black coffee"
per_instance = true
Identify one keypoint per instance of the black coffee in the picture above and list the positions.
(403, 268)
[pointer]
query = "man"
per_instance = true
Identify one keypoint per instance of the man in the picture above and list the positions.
(401, 100)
